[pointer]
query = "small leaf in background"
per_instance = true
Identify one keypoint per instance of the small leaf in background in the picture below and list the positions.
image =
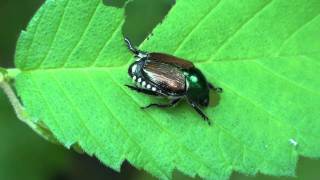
(308, 169)
(14, 15)
(23, 154)
(263, 53)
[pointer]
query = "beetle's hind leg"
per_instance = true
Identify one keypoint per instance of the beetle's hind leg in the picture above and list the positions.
(216, 89)
(172, 103)
(145, 91)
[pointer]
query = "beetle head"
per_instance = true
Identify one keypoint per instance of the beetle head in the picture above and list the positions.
(197, 87)
(204, 102)
(200, 98)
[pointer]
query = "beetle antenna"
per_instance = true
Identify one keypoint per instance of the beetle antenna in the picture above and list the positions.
(130, 47)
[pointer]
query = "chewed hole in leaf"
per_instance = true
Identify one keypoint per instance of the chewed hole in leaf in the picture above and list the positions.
(115, 3)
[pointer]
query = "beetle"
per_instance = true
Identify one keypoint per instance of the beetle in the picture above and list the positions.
(164, 75)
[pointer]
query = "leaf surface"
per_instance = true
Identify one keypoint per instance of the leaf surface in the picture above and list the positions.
(264, 54)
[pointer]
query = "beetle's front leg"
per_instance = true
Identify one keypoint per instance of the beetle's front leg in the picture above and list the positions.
(140, 90)
(199, 111)
(172, 103)
(216, 89)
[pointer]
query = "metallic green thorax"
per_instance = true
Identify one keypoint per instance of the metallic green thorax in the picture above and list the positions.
(197, 86)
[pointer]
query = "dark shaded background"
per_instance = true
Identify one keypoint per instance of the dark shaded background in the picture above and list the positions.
(24, 155)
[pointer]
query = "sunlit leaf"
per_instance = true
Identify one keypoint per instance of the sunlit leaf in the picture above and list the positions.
(264, 54)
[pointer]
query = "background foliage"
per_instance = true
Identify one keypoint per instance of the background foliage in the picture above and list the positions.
(137, 39)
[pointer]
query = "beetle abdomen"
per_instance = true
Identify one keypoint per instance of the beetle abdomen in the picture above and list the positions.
(167, 76)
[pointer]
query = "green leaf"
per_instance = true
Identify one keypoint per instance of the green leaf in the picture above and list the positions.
(264, 54)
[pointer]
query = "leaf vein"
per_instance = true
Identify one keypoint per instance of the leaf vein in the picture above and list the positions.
(267, 69)
(226, 41)
(222, 152)
(197, 25)
(295, 32)
(272, 117)
(106, 44)
(312, 60)
(77, 111)
(82, 35)
(32, 40)
(56, 32)
(92, 84)
(254, 58)
(239, 142)
(192, 154)
(36, 85)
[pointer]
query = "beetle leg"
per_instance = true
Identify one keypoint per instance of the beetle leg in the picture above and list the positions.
(130, 47)
(172, 103)
(137, 53)
(195, 107)
(140, 90)
(216, 89)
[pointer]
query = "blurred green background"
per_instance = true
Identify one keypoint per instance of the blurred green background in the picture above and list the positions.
(24, 155)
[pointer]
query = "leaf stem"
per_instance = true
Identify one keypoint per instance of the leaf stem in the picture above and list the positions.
(12, 73)
(18, 108)
(1, 77)
(3, 73)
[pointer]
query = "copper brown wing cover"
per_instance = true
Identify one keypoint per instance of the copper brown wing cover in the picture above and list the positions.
(167, 76)
(169, 59)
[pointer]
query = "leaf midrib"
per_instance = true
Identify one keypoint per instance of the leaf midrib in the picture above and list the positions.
(125, 65)
(121, 67)
(237, 141)
(244, 146)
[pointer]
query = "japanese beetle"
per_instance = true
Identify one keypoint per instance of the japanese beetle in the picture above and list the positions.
(164, 75)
